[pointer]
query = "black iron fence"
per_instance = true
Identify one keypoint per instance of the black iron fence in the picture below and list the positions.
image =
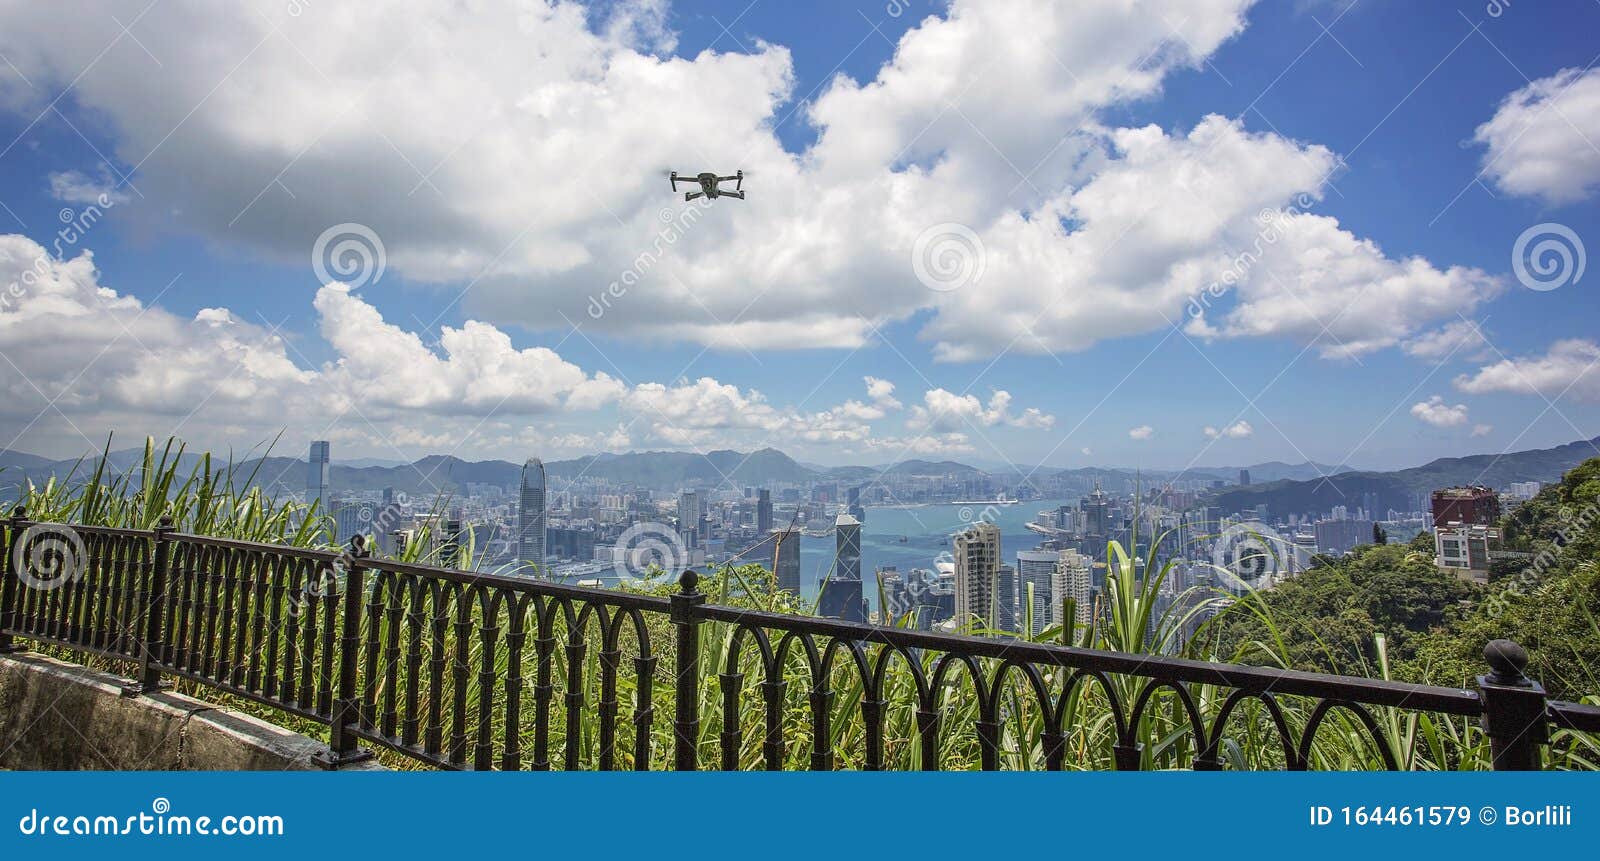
(460, 670)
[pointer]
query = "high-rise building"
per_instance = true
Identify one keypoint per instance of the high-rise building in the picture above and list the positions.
(779, 549)
(841, 596)
(1036, 571)
(977, 569)
(1476, 505)
(691, 510)
(317, 475)
(1244, 478)
(854, 505)
(1337, 537)
(353, 520)
(1074, 578)
(763, 511)
(531, 516)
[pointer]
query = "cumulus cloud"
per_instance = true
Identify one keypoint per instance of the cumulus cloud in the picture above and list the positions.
(1142, 432)
(1436, 412)
(1569, 367)
(431, 130)
(1542, 141)
(1238, 430)
(81, 349)
(1482, 430)
(942, 411)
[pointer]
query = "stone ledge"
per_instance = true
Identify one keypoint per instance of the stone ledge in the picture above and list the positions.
(60, 716)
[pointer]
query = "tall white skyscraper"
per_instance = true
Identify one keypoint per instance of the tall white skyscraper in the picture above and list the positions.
(1073, 578)
(531, 516)
(317, 474)
(977, 552)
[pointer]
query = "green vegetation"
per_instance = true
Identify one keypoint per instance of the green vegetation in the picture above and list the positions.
(1386, 612)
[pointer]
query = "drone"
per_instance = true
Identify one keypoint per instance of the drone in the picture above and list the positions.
(708, 185)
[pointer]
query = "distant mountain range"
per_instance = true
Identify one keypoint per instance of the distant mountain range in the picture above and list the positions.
(1397, 489)
(1283, 487)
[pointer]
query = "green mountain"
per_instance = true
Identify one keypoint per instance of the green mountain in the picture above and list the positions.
(1398, 489)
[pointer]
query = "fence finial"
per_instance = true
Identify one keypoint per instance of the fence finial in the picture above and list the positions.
(1507, 660)
(688, 581)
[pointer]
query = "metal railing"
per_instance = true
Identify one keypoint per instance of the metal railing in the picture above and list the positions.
(460, 670)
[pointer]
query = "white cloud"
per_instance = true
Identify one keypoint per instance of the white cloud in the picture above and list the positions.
(521, 148)
(1436, 412)
(1482, 430)
(71, 186)
(1544, 140)
(1142, 432)
(1460, 339)
(1570, 367)
(1238, 430)
(942, 410)
(82, 349)
(922, 445)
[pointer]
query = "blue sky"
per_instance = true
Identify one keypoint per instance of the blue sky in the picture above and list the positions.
(797, 320)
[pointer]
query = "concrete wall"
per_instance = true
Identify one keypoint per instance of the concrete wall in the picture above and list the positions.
(59, 716)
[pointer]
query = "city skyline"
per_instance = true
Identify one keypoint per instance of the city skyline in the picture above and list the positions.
(1260, 236)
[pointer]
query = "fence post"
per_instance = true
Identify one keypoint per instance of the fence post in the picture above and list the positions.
(8, 587)
(686, 728)
(152, 640)
(342, 748)
(1513, 708)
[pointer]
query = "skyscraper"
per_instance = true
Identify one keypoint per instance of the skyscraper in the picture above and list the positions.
(780, 549)
(317, 473)
(1244, 478)
(763, 511)
(841, 596)
(1073, 579)
(531, 516)
(1036, 574)
(1096, 514)
(854, 505)
(977, 552)
(786, 543)
(690, 510)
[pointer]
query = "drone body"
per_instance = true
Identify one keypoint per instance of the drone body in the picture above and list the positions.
(709, 183)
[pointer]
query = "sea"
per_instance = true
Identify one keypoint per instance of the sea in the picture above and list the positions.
(926, 530)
